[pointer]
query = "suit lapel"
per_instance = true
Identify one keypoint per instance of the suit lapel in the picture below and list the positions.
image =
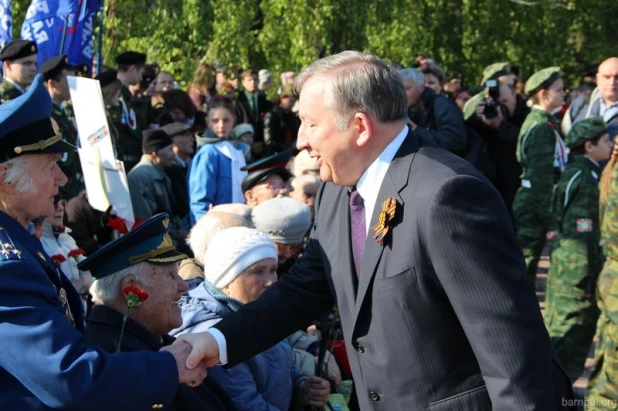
(395, 180)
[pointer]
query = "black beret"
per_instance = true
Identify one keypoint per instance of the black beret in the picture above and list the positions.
(129, 58)
(173, 129)
(18, 49)
(590, 71)
(79, 68)
(54, 66)
(154, 140)
(107, 77)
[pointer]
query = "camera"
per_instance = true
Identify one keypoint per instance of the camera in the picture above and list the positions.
(492, 106)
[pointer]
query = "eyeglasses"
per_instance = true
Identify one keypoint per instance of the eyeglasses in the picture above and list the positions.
(276, 186)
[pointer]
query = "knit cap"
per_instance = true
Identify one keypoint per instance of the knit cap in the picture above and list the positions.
(232, 251)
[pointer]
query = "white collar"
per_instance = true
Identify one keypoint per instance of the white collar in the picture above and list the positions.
(370, 182)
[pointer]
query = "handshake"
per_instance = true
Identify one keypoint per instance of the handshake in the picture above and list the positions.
(193, 354)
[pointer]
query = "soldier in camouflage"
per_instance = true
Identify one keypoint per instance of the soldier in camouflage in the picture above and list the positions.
(19, 59)
(542, 155)
(602, 391)
(55, 72)
(571, 311)
(131, 66)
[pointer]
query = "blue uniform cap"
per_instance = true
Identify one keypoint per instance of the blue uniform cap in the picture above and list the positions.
(26, 126)
(149, 242)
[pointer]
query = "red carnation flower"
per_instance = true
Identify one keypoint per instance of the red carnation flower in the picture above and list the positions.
(58, 259)
(118, 224)
(135, 295)
(138, 292)
(77, 252)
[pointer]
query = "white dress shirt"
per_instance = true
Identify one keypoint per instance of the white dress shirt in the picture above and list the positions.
(368, 187)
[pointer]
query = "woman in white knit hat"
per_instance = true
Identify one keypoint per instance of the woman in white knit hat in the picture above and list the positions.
(240, 264)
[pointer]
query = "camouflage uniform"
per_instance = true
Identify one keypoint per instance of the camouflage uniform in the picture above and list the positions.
(69, 163)
(576, 260)
(8, 91)
(542, 155)
(603, 382)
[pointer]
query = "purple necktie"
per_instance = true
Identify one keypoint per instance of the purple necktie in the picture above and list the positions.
(358, 232)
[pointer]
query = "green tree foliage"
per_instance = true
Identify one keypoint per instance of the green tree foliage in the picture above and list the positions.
(285, 35)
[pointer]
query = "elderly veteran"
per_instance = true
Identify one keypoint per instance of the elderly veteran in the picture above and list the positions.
(242, 264)
(286, 222)
(267, 178)
(192, 269)
(44, 361)
(144, 258)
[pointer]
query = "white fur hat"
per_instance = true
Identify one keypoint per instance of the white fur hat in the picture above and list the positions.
(232, 251)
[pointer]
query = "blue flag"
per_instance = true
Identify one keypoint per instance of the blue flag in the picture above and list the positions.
(61, 27)
(6, 22)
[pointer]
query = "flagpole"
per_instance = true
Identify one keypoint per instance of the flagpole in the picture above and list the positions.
(100, 40)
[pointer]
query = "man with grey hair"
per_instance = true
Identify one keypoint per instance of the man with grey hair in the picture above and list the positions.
(192, 269)
(144, 263)
(418, 250)
(45, 362)
(432, 116)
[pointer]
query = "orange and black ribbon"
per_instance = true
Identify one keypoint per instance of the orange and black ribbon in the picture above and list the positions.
(389, 207)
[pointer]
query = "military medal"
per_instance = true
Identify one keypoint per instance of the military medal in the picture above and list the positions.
(389, 206)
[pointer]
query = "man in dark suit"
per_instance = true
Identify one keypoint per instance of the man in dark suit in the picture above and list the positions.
(437, 314)
(251, 107)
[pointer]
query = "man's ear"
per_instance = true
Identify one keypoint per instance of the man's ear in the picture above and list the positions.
(249, 196)
(363, 127)
(588, 146)
(6, 188)
(126, 282)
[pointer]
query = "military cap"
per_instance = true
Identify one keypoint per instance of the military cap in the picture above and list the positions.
(79, 69)
(54, 66)
(590, 71)
(261, 169)
(455, 75)
(283, 219)
(18, 49)
(541, 80)
(107, 77)
(585, 130)
(129, 58)
(148, 242)
(26, 127)
(154, 140)
(495, 70)
(173, 129)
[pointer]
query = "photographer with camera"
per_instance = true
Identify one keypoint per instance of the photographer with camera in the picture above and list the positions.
(498, 118)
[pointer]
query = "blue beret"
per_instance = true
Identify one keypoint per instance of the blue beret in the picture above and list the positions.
(148, 242)
(26, 127)
(259, 170)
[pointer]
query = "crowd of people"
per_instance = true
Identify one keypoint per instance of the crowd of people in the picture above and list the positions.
(224, 180)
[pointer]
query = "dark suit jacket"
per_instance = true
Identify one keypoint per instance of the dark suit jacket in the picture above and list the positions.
(244, 114)
(103, 330)
(442, 317)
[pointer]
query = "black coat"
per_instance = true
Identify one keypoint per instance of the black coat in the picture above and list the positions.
(244, 114)
(280, 130)
(103, 330)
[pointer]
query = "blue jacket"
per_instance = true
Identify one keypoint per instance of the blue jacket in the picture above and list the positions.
(209, 180)
(44, 361)
(265, 381)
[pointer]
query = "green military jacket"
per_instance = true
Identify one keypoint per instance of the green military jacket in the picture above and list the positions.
(69, 163)
(8, 91)
(542, 155)
(609, 219)
(575, 207)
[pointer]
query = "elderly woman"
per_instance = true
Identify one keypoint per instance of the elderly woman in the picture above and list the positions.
(146, 260)
(58, 243)
(242, 264)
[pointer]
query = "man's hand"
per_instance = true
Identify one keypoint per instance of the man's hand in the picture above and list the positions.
(192, 377)
(491, 123)
(552, 235)
(314, 392)
(204, 348)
